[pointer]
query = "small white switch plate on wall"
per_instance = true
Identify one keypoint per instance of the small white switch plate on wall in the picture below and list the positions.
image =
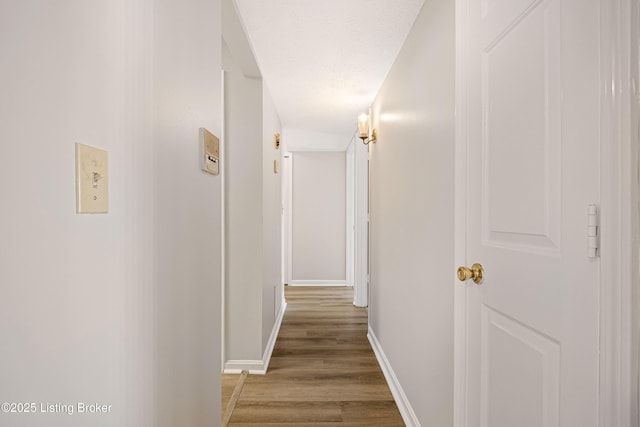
(92, 180)
(209, 152)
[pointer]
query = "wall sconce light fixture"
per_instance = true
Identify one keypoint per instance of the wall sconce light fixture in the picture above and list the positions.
(276, 140)
(363, 128)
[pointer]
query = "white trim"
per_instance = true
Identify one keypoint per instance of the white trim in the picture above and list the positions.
(258, 367)
(233, 371)
(285, 187)
(318, 283)
(634, 158)
(289, 214)
(283, 223)
(223, 219)
(268, 351)
(254, 367)
(460, 388)
(361, 265)
(404, 406)
(618, 389)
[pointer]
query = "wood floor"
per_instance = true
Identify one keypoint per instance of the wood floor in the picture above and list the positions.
(322, 373)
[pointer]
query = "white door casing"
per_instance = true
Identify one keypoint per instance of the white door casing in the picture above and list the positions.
(527, 153)
(361, 194)
(287, 227)
(620, 183)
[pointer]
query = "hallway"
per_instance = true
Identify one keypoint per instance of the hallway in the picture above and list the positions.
(468, 170)
(322, 372)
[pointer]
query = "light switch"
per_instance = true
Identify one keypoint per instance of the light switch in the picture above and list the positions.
(92, 180)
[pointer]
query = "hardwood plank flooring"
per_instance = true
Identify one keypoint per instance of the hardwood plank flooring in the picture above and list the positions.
(322, 373)
(228, 386)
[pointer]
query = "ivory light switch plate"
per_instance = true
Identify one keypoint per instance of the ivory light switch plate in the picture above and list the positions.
(92, 180)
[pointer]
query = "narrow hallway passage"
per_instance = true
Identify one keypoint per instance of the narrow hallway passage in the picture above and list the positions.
(322, 371)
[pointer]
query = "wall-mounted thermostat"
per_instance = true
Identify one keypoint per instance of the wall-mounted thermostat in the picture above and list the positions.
(209, 152)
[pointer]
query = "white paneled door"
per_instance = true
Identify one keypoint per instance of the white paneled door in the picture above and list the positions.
(528, 167)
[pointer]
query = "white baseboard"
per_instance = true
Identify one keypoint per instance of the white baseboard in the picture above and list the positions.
(318, 283)
(237, 366)
(266, 358)
(258, 367)
(408, 416)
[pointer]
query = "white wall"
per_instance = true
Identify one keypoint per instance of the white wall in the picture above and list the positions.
(412, 166)
(243, 180)
(188, 247)
(272, 290)
(307, 140)
(97, 308)
(350, 214)
(319, 216)
(254, 291)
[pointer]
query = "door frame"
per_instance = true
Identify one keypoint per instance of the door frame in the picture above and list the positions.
(287, 210)
(619, 164)
(361, 223)
(618, 400)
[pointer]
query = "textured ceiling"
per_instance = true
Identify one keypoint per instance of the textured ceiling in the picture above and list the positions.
(324, 60)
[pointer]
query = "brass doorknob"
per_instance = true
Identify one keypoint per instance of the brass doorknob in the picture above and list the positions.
(474, 273)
